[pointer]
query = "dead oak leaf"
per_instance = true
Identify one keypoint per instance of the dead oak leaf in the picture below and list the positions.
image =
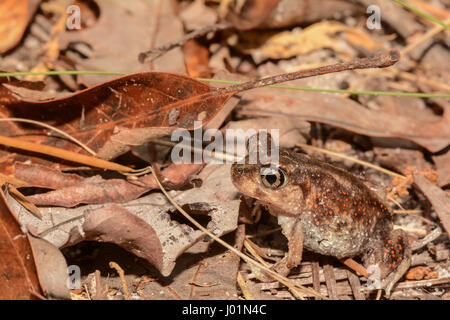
(15, 15)
(122, 31)
(349, 115)
(144, 226)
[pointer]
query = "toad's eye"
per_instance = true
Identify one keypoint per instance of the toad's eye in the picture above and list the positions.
(273, 177)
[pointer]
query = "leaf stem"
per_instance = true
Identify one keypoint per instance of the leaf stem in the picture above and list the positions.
(382, 60)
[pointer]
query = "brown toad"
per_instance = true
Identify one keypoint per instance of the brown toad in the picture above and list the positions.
(327, 210)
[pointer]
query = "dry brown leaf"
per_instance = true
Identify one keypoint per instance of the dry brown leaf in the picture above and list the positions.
(248, 14)
(197, 15)
(349, 115)
(290, 13)
(320, 35)
(19, 278)
(118, 114)
(143, 226)
(442, 163)
(72, 190)
(439, 199)
(15, 16)
(51, 267)
(116, 46)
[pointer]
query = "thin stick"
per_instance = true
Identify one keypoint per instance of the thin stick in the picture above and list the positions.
(63, 154)
(153, 54)
(342, 156)
(354, 92)
(82, 145)
(383, 60)
(121, 273)
(352, 264)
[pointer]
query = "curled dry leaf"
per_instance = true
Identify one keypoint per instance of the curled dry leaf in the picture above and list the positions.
(321, 35)
(205, 271)
(72, 190)
(112, 117)
(249, 13)
(51, 267)
(443, 168)
(289, 13)
(400, 159)
(116, 46)
(19, 279)
(143, 226)
(439, 199)
(15, 16)
(45, 177)
(349, 115)
(197, 16)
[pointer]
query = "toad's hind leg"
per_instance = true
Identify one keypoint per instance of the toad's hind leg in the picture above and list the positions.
(393, 257)
(398, 251)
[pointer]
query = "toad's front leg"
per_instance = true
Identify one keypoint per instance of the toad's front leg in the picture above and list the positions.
(292, 230)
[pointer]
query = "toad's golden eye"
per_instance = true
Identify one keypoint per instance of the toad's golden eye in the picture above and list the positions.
(273, 177)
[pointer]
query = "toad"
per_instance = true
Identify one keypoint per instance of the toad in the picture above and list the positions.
(326, 210)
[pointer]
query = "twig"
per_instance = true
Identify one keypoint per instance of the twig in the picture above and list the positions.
(433, 235)
(23, 200)
(330, 281)
(244, 287)
(262, 234)
(63, 154)
(66, 135)
(383, 60)
(343, 156)
(355, 284)
(153, 54)
(121, 273)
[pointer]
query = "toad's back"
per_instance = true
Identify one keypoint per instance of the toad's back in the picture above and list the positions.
(340, 216)
(326, 210)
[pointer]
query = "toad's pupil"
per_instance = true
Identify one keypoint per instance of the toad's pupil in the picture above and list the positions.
(273, 177)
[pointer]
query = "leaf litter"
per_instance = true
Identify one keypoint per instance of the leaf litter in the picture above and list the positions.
(114, 118)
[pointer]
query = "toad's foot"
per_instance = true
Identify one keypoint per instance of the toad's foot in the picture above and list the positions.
(391, 259)
(294, 233)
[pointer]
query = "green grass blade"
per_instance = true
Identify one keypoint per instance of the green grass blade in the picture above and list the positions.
(373, 93)
(423, 14)
(354, 92)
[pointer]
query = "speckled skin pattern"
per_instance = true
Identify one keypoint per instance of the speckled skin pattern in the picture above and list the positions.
(338, 215)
